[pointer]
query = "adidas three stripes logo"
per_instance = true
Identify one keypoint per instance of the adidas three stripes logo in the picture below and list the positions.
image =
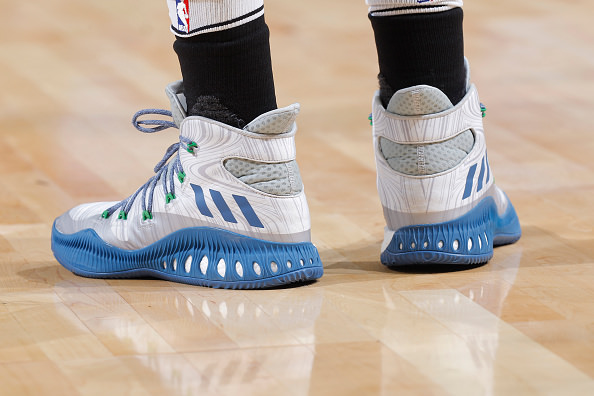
(242, 202)
(483, 177)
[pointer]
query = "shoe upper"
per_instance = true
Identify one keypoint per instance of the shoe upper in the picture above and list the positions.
(208, 194)
(440, 187)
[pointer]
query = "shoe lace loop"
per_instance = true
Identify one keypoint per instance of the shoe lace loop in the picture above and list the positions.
(165, 170)
(159, 125)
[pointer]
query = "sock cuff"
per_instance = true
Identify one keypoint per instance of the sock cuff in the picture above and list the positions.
(400, 7)
(193, 17)
(231, 65)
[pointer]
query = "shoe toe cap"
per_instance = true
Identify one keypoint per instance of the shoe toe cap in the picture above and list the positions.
(81, 217)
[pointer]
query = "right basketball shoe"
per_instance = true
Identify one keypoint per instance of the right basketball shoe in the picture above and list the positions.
(226, 208)
(434, 180)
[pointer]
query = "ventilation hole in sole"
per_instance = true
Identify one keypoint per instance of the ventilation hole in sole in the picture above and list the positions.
(289, 264)
(480, 242)
(222, 268)
(274, 266)
(175, 264)
(204, 265)
(301, 262)
(310, 261)
(164, 264)
(188, 264)
(440, 244)
(425, 244)
(413, 245)
(486, 239)
(257, 269)
(401, 246)
(239, 269)
(456, 244)
(469, 244)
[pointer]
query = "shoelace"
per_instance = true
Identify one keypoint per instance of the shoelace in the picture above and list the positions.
(164, 171)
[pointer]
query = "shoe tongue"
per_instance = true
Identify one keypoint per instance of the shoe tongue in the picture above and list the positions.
(177, 99)
(275, 122)
(419, 100)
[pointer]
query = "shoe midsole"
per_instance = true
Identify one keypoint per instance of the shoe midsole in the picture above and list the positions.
(185, 252)
(474, 233)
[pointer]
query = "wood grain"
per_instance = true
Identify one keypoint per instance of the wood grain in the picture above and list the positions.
(73, 73)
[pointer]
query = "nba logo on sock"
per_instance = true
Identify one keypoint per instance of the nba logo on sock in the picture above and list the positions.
(183, 15)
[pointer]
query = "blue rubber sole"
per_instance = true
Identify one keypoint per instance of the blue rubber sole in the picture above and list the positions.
(468, 240)
(199, 256)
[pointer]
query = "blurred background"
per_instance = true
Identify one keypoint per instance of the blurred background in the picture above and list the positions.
(73, 73)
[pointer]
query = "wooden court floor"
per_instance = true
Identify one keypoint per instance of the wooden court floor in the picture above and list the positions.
(73, 72)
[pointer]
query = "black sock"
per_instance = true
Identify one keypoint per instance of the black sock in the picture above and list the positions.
(424, 48)
(228, 74)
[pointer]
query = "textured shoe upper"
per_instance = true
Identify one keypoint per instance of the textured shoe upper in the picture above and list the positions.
(429, 128)
(431, 158)
(278, 178)
(424, 159)
(210, 195)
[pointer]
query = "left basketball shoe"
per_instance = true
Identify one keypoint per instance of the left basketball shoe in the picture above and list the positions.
(226, 208)
(435, 183)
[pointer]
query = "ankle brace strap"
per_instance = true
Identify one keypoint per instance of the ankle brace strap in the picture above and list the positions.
(432, 128)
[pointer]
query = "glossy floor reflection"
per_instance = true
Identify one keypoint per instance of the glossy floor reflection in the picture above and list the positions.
(520, 325)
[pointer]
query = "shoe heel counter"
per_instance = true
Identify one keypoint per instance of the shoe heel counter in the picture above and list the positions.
(409, 200)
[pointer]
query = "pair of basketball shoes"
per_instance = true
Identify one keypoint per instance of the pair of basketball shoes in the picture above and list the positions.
(227, 208)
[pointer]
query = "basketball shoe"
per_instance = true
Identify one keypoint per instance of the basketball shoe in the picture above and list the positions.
(226, 208)
(434, 180)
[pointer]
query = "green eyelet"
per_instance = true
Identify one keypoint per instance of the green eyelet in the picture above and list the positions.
(191, 146)
(181, 176)
(169, 197)
(105, 214)
(146, 215)
(123, 215)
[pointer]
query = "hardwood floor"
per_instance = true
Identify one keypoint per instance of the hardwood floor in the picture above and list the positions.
(73, 73)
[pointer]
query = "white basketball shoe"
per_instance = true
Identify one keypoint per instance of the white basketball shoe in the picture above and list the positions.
(226, 208)
(434, 181)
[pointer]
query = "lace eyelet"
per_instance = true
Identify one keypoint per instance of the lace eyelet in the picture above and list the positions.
(191, 146)
(164, 169)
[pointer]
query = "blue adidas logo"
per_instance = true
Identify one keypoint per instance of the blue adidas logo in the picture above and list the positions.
(242, 202)
(482, 178)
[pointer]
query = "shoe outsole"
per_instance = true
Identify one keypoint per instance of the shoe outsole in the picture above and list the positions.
(198, 256)
(468, 240)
